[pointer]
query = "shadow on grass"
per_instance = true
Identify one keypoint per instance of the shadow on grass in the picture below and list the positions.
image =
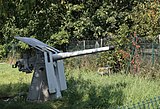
(13, 96)
(79, 95)
(85, 94)
(11, 90)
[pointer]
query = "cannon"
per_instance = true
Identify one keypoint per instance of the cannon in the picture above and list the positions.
(47, 63)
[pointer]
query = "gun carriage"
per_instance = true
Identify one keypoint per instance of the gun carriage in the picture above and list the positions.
(47, 63)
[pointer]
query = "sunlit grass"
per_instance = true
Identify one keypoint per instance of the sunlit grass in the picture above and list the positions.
(9, 75)
(86, 89)
(134, 88)
(12, 81)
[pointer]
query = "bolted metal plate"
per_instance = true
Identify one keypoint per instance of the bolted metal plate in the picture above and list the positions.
(36, 44)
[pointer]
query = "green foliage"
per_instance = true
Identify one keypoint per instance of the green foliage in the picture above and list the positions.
(58, 22)
(2, 51)
(59, 38)
(39, 18)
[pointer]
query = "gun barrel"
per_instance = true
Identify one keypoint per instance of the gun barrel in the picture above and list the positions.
(65, 55)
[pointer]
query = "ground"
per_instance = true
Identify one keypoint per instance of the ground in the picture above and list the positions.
(86, 89)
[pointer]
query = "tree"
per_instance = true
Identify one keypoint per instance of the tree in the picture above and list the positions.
(59, 21)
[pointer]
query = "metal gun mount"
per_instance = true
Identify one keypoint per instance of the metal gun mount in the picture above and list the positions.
(48, 79)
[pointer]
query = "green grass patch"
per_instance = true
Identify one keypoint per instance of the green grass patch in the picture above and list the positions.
(86, 89)
(12, 81)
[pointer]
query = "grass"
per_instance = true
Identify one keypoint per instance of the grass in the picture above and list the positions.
(11, 81)
(86, 89)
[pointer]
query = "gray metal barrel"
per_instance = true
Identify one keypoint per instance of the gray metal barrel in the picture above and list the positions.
(65, 55)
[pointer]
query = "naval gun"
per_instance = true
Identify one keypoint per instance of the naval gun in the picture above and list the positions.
(47, 63)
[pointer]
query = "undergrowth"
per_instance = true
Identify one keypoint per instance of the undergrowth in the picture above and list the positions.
(86, 89)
